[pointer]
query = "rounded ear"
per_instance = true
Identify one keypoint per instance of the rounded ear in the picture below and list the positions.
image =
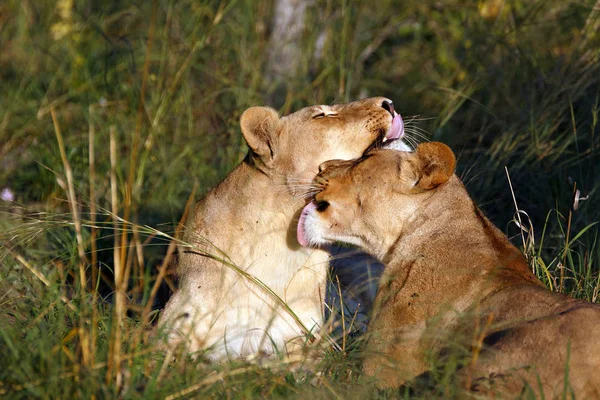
(259, 127)
(437, 164)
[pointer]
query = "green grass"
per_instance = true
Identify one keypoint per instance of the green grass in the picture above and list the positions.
(516, 87)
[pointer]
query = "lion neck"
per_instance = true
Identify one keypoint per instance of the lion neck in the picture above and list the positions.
(264, 203)
(265, 186)
(283, 177)
(452, 256)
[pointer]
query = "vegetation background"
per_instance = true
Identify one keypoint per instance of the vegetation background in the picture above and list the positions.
(114, 114)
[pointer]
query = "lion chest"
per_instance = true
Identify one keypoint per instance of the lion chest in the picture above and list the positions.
(264, 251)
(259, 243)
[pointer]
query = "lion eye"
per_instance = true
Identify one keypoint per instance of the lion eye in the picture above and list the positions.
(322, 205)
(324, 114)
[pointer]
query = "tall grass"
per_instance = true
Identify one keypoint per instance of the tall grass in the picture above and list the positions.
(114, 117)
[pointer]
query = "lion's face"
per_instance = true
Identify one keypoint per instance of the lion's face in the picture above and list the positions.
(293, 146)
(366, 201)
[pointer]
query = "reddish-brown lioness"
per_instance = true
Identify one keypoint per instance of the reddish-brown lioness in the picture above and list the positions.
(447, 271)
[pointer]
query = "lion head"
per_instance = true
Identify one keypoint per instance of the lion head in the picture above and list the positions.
(293, 146)
(366, 201)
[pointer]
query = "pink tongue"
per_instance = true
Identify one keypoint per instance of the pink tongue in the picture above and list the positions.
(397, 129)
(300, 233)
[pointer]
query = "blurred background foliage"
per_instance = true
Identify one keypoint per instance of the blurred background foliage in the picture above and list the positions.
(506, 83)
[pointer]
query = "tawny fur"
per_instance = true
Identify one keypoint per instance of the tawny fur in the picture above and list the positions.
(451, 276)
(250, 219)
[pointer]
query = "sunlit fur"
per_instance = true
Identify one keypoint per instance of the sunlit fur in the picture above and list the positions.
(450, 278)
(249, 219)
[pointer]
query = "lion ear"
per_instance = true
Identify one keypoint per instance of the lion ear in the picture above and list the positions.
(437, 163)
(259, 127)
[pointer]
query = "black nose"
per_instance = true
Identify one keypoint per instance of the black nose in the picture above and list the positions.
(388, 106)
(322, 205)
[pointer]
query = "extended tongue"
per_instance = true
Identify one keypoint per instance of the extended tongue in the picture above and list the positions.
(301, 232)
(397, 129)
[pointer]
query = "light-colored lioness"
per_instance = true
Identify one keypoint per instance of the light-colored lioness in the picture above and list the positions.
(450, 276)
(249, 220)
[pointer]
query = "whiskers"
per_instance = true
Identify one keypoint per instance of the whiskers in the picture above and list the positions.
(302, 196)
(307, 192)
(300, 189)
(414, 134)
(464, 176)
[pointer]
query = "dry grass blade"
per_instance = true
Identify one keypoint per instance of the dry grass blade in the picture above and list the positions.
(93, 210)
(568, 234)
(72, 200)
(591, 27)
(115, 343)
(93, 233)
(477, 345)
(343, 319)
(73, 205)
(517, 212)
(37, 274)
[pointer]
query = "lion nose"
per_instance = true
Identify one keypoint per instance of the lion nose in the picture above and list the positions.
(322, 205)
(388, 106)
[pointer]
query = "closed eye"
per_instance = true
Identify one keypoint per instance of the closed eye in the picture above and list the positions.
(323, 114)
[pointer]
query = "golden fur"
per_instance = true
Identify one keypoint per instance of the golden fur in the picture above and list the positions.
(450, 277)
(249, 219)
